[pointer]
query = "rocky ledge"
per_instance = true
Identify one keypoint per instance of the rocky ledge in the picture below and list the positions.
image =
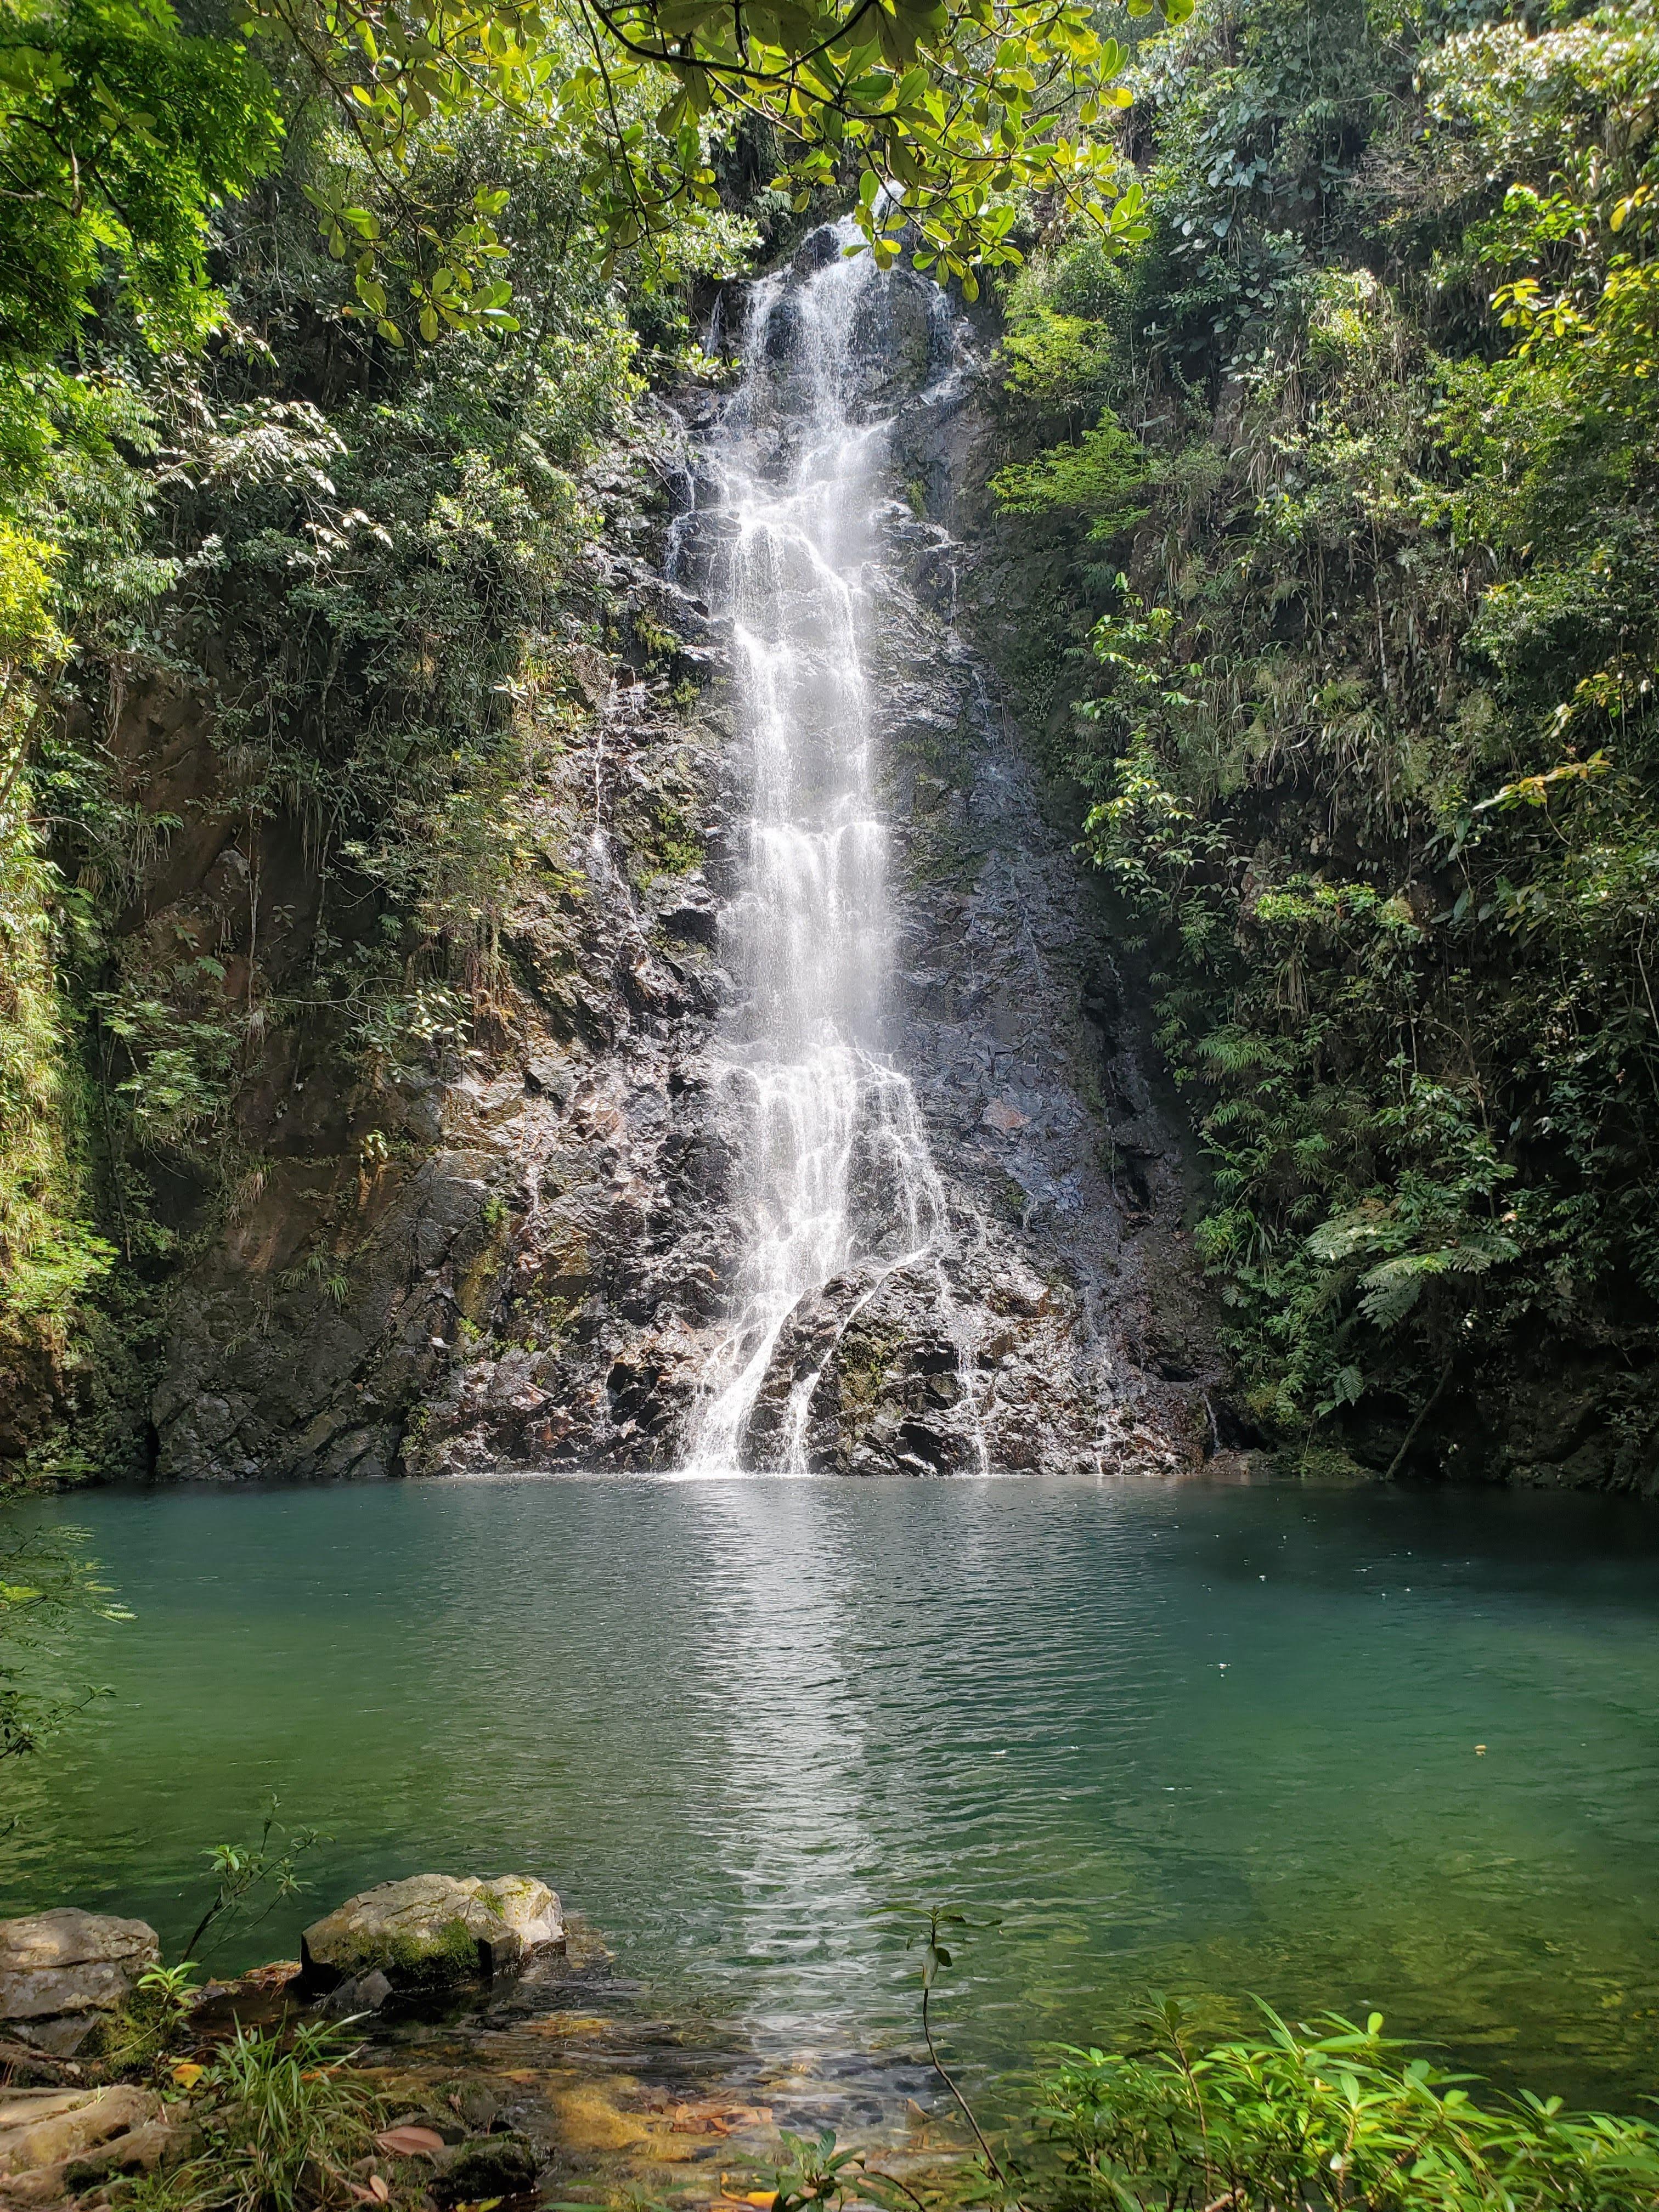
(70, 1981)
(65, 1975)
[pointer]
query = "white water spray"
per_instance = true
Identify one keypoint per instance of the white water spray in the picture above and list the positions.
(835, 1173)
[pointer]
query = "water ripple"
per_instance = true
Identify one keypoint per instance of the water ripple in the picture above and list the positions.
(1175, 1738)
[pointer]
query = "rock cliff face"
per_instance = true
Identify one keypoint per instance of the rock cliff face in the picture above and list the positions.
(534, 1269)
(486, 1254)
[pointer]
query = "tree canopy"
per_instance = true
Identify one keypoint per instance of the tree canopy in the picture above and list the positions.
(119, 135)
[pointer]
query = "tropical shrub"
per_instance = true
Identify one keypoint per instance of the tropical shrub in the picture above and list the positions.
(1327, 2116)
(1357, 717)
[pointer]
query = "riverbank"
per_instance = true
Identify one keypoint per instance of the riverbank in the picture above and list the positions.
(452, 2082)
(257, 2108)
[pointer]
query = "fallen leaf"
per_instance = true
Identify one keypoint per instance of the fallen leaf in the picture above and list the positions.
(410, 2141)
(186, 2073)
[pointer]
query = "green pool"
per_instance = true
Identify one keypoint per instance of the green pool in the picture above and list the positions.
(1200, 1738)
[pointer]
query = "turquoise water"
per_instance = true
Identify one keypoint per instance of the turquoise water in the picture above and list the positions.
(1215, 1739)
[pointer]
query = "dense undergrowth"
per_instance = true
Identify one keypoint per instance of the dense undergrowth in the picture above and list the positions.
(1352, 679)
(294, 621)
(1329, 2115)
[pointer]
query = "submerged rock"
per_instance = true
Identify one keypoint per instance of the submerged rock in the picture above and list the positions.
(485, 2166)
(431, 1932)
(66, 1973)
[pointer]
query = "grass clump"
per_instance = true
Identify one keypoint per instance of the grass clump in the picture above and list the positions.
(282, 2123)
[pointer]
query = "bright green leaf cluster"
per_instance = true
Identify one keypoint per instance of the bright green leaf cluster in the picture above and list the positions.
(941, 113)
(1335, 2115)
(117, 135)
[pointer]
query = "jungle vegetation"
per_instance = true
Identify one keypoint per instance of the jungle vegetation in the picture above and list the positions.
(313, 321)
(1325, 389)
(1349, 469)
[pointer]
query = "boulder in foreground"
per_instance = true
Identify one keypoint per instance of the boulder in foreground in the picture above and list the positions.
(432, 1931)
(52, 2140)
(64, 1974)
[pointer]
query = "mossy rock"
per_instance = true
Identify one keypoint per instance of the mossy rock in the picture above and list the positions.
(432, 1931)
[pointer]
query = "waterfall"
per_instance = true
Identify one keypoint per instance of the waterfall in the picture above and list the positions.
(833, 1175)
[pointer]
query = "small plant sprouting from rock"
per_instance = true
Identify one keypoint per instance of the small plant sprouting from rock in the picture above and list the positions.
(243, 1870)
(320, 1268)
(153, 2021)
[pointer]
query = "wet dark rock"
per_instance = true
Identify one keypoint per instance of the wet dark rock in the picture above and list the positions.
(363, 1993)
(485, 2166)
(692, 912)
(816, 251)
(552, 1075)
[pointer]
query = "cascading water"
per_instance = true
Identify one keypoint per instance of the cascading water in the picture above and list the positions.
(834, 1174)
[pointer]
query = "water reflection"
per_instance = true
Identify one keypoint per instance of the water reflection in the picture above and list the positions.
(782, 1684)
(1210, 1740)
